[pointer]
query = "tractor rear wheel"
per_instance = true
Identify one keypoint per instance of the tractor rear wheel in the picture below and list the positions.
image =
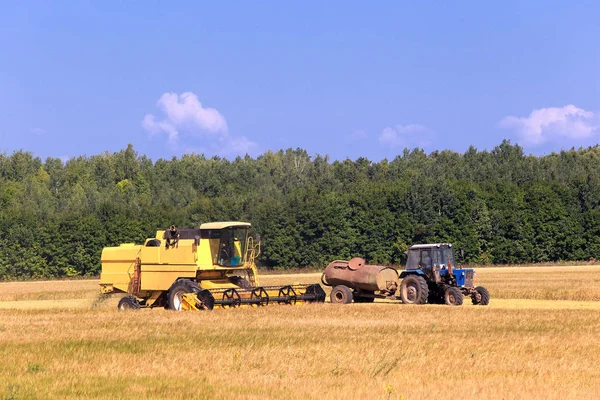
(358, 298)
(341, 294)
(453, 296)
(481, 297)
(414, 290)
(180, 287)
(128, 303)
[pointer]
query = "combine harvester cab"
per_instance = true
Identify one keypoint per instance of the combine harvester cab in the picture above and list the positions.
(206, 267)
(430, 277)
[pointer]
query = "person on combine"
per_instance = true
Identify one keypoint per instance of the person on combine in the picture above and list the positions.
(172, 237)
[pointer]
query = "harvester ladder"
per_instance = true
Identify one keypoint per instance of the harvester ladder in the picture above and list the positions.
(251, 279)
(136, 280)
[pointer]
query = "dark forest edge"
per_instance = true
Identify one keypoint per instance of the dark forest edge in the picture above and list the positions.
(499, 206)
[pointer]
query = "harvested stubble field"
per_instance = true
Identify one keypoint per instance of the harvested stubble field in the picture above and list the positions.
(538, 340)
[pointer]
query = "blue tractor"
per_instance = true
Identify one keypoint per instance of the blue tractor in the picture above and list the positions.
(431, 277)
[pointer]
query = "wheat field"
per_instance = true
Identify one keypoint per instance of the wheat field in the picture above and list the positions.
(538, 339)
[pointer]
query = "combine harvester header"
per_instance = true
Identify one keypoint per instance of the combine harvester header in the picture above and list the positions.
(195, 269)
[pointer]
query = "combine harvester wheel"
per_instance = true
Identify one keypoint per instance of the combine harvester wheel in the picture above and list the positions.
(128, 303)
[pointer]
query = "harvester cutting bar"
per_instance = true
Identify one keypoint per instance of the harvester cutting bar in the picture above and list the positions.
(264, 295)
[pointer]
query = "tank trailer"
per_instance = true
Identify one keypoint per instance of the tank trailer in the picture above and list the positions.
(359, 282)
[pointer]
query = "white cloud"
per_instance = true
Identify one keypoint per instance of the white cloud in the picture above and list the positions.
(184, 113)
(406, 136)
(155, 127)
(239, 145)
(553, 123)
(358, 135)
(183, 118)
(38, 131)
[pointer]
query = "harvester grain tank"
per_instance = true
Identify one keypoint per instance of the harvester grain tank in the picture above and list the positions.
(355, 280)
(201, 268)
(431, 277)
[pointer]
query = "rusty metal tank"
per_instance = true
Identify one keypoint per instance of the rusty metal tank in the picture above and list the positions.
(360, 276)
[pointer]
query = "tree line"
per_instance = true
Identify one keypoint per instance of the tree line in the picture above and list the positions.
(499, 206)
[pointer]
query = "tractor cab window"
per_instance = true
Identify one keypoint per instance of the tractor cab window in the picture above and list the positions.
(437, 257)
(413, 259)
(447, 256)
(426, 259)
(232, 247)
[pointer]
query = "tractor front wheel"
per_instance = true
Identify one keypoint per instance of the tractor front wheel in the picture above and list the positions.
(453, 296)
(341, 294)
(481, 296)
(414, 290)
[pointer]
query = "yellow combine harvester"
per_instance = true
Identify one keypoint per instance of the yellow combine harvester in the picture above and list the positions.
(195, 269)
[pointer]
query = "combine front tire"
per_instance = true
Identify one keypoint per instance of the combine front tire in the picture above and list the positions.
(453, 296)
(481, 296)
(341, 294)
(128, 303)
(414, 290)
(180, 287)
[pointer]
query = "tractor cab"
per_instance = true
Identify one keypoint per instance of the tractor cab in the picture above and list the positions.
(437, 263)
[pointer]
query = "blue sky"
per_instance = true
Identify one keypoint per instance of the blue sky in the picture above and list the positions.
(347, 79)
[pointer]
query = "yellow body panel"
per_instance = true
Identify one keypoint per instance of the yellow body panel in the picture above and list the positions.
(118, 266)
(161, 277)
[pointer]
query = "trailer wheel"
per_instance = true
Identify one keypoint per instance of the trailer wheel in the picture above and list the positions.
(414, 290)
(180, 287)
(453, 296)
(363, 299)
(128, 303)
(341, 294)
(481, 296)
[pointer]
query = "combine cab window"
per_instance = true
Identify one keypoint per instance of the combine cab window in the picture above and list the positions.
(232, 247)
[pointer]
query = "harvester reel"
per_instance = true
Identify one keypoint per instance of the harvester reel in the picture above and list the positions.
(232, 298)
(261, 294)
(289, 294)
